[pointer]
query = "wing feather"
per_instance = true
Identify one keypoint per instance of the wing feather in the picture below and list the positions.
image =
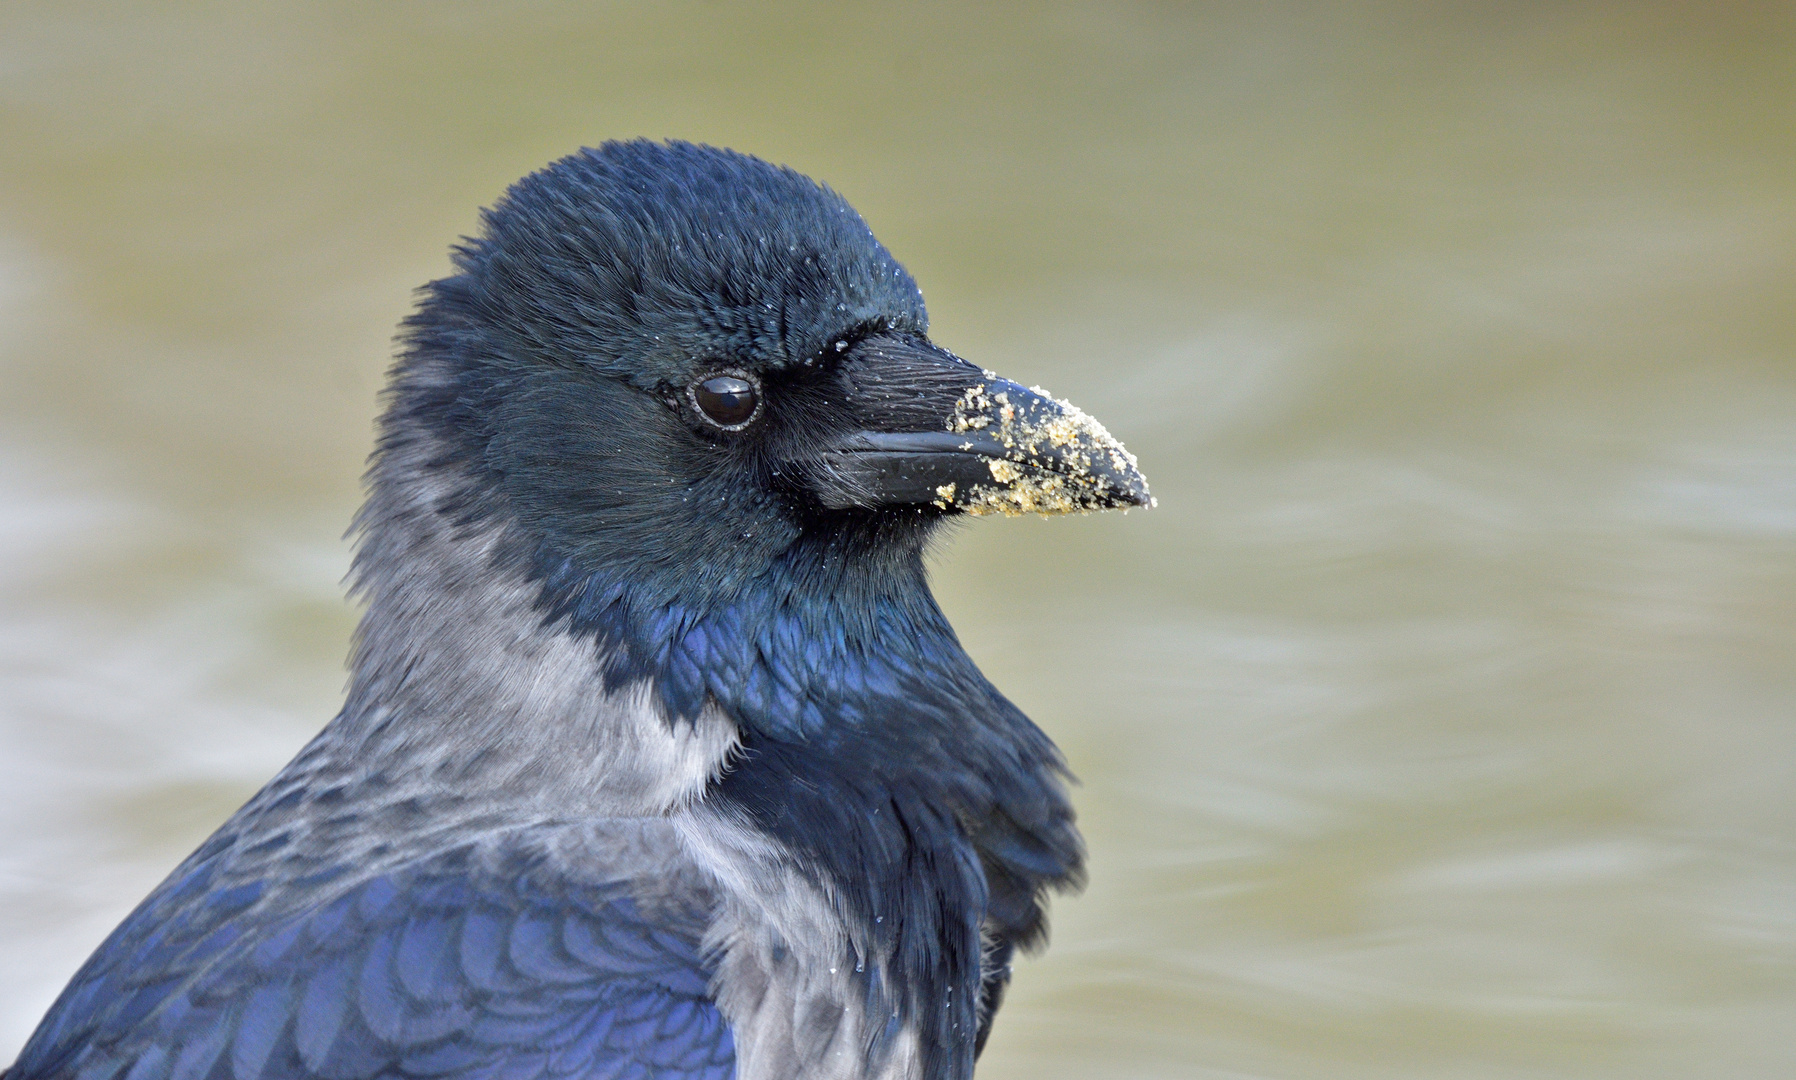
(496, 963)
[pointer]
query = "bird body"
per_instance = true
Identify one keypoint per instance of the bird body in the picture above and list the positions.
(659, 758)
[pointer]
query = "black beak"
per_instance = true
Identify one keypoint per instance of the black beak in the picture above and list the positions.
(937, 431)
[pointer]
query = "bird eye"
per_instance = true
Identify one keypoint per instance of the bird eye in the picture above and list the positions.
(728, 401)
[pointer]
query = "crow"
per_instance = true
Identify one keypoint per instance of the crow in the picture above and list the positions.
(658, 758)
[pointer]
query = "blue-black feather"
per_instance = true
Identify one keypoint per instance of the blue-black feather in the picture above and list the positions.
(856, 752)
(450, 966)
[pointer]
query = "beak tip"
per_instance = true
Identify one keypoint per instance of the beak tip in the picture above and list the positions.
(1136, 496)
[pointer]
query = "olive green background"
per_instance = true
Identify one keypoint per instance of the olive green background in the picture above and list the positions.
(1438, 724)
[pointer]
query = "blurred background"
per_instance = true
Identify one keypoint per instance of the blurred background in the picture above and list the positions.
(1438, 724)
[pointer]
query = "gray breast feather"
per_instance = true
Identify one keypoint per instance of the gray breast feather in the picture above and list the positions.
(801, 994)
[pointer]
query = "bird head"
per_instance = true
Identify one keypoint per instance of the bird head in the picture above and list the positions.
(676, 365)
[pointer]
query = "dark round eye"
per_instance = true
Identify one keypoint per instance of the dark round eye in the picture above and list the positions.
(727, 401)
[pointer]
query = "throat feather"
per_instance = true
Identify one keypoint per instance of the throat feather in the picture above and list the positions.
(873, 750)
